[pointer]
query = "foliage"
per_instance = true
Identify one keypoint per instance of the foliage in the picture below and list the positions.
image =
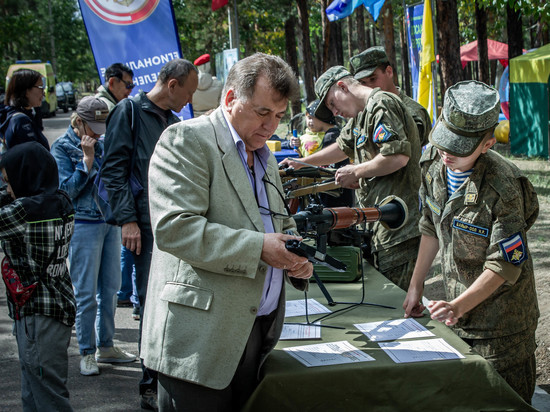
(26, 32)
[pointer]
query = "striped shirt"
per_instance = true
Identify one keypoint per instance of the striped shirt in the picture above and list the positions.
(455, 180)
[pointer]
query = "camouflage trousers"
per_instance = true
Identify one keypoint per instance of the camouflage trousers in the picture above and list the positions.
(513, 357)
(397, 263)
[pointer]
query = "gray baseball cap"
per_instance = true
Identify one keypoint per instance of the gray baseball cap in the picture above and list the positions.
(365, 63)
(323, 85)
(470, 110)
(94, 112)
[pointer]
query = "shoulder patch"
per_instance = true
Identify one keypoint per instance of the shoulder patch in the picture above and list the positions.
(360, 140)
(381, 134)
(513, 249)
(434, 207)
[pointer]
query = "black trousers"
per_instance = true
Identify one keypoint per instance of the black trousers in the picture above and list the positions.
(176, 395)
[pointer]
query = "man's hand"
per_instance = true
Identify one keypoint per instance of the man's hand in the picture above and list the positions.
(275, 254)
(347, 177)
(413, 303)
(131, 237)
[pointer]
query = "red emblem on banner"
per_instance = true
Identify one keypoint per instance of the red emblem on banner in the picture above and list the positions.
(123, 11)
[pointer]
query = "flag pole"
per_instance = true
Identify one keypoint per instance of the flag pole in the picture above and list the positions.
(233, 22)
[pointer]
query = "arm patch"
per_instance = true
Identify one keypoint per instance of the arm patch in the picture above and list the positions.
(513, 249)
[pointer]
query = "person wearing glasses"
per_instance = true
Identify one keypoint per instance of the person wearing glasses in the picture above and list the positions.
(94, 251)
(118, 84)
(215, 303)
(18, 122)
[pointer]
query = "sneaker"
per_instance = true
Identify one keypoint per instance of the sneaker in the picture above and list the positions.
(88, 365)
(113, 355)
(135, 313)
(149, 400)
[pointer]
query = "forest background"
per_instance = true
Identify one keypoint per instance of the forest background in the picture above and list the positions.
(296, 30)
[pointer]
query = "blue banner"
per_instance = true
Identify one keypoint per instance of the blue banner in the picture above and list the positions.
(141, 34)
(414, 35)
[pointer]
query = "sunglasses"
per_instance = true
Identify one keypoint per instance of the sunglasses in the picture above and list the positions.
(129, 85)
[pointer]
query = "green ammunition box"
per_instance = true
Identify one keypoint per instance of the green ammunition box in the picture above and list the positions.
(350, 256)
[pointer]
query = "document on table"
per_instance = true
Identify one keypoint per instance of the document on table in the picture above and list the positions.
(333, 353)
(298, 308)
(420, 350)
(394, 329)
(297, 332)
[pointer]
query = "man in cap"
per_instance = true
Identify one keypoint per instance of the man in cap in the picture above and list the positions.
(382, 139)
(372, 68)
(118, 84)
(476, 210)
(207, 96)
(177, 81)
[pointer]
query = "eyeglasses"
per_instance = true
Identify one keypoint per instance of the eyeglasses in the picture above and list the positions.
(129, 85)
(40, 87)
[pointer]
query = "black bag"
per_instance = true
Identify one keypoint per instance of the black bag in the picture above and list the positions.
(100, 194)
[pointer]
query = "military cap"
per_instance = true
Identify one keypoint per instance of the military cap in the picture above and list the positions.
(311, 111)
(365, 63)
(470, 110)
(323, 85)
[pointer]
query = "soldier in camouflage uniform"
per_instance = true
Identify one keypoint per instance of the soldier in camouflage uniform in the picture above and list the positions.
(382, 139)
(372, 68)
(480, 230)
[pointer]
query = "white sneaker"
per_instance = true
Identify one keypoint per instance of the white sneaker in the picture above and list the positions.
(113, 355)
(88, 365)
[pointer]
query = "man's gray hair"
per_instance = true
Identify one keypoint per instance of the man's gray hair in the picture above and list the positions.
(244, 74)
(177, 69)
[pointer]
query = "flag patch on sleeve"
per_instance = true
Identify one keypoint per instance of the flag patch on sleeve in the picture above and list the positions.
(513, 249)
(381, 134)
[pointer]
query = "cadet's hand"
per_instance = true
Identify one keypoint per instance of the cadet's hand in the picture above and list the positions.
(131, 237)
(275, 254)
(345, 177)
(443, 312)
(288, 162)
(413, 303)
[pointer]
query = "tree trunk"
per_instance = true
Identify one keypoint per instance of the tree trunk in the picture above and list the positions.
(292, 57)
(406, 82)
(349, 30)
(448, 43)
(389, 38)
(482, 52)
(308, 60)
(367, 32)
(360, 23)
(326, 34)
(514, 29)
(336, 50)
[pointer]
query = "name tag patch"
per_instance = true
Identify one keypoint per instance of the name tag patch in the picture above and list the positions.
(381, 134)
(513, 249)
(433, 206)
(468, 227)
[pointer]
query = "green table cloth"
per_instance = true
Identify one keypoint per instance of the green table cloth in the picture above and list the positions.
(469, 384)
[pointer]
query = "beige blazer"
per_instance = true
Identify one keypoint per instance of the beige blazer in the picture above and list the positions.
(206, 276)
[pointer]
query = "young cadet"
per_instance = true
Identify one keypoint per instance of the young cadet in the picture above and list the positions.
(476, 210)
(382, 139)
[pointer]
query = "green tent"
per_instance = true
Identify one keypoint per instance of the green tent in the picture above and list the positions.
(530, 103)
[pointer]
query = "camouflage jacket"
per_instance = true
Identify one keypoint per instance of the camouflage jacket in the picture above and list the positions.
(385, 127)
(420, 116)
(482, 226)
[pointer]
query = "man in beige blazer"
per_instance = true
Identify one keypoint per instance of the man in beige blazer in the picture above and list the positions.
(215, 303)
